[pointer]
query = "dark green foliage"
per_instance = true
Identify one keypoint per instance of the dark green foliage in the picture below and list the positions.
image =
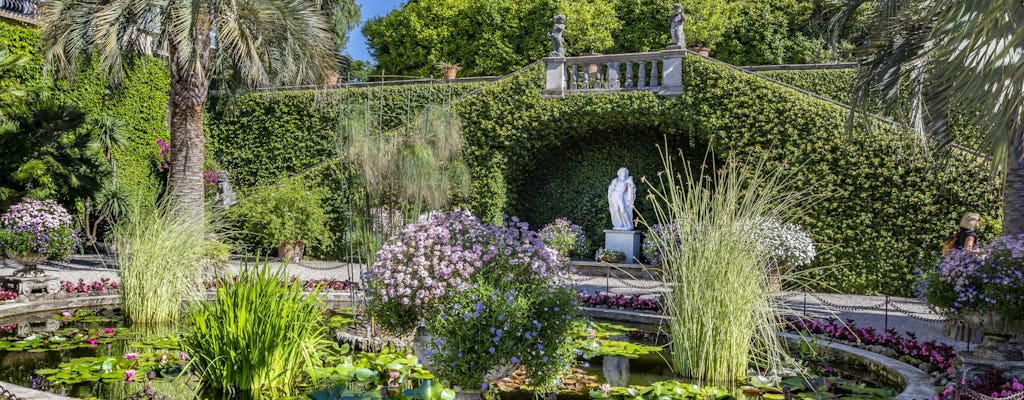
(836, 84)
(142, 104)
(44, 155)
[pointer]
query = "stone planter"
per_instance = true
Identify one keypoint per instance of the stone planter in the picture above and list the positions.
(29, 263)
(997, 332)
(291, 251)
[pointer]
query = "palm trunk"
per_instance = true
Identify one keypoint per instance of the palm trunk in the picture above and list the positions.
(186, 107)
(1013, 188)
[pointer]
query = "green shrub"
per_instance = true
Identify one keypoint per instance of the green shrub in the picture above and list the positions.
(260, 336)
(290, 211)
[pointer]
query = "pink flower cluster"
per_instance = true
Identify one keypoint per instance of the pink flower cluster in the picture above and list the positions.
(93, 287)
(937, 354)
(8, 295)
(427, 259)
(323, 284)
(43, 215)
(993, 384)
(634, 302)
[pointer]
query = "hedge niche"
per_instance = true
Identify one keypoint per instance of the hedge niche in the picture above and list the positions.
(882, 206)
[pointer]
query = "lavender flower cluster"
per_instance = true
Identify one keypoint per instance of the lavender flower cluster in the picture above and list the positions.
(37, 226)
(651, 248)
(428, 259)
(565, 237)
(966, 282)
(36, 214)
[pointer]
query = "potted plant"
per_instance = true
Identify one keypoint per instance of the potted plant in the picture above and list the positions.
(448, 69)
(983, 290)
(483, 300)
(35, 230)
(788, 246)
(288, 215)
(565, 237)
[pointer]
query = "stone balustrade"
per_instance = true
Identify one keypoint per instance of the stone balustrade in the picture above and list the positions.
(19, 9)
(658, 72)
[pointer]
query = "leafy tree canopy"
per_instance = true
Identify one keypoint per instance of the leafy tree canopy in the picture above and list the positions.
(499, 36)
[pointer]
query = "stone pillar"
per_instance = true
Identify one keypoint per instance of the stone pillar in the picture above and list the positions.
(672, 72)
(554, 84)
(628, 242)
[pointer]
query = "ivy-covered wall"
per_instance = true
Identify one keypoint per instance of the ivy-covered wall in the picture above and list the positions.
(881, 206)
(141, 103)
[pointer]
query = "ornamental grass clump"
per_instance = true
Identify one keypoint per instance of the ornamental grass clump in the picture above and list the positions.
(723, 319)
(261, 335)
(37, 227)
(160, 254)
(489, 295)
(965, 283)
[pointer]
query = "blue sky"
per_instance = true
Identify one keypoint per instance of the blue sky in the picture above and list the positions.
(370, 8)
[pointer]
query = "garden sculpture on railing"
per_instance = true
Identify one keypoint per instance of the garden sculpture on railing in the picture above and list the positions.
(676, 21)
(557, 43)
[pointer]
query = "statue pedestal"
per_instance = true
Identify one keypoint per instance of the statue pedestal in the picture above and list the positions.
(628, 242)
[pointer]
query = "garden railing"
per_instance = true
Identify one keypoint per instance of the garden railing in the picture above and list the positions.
(659, 72)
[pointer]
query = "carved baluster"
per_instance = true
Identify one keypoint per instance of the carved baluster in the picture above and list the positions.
(586, 77)
(613, 75)
(642, 76)
(629, 75)
(654, 74)
(573, 84)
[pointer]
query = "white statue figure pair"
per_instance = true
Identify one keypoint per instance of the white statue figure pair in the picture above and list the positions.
(621, 195)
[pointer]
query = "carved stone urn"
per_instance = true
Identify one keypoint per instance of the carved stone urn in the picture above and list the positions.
(28, 262)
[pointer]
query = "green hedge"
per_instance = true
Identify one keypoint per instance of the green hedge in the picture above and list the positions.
(882, 206)
(836, 84)
(142, 104)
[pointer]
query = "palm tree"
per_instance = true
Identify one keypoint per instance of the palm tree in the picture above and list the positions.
(969, 53)
(255, 42)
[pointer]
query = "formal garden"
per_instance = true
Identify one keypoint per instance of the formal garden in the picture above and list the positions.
(209, 200)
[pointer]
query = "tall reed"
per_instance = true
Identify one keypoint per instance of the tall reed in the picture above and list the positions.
(260, 336)
(160, 254)
(722, 314)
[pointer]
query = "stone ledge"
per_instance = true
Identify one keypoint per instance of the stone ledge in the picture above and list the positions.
(615, 270)
(31, 394)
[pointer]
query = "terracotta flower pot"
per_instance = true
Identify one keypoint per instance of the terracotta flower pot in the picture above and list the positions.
(703, 51)
(449, 72)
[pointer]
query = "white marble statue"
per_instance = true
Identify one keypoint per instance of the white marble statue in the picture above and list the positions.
(621, 194)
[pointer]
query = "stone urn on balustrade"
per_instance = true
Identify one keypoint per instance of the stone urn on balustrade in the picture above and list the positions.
(995, 353)
(997, 333)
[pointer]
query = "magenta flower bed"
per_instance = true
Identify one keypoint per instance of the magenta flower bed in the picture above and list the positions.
(938, 354)
(93, 287)
(995, 384)
(325, 284)
(619, 301)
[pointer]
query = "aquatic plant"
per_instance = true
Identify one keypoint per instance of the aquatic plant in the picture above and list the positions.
(160, 256)
(260, 335)
(722, 316)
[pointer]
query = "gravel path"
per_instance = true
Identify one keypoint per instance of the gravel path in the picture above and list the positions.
(901, 314)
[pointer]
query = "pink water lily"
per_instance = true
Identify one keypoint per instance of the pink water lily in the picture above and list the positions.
(131, 356)
(129, 375)
(91, 341)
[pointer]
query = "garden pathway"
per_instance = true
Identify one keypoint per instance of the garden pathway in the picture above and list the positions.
(902, 314)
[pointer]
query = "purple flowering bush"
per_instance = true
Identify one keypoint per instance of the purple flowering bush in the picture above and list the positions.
(488, 294)
(35, 226)
(993, 384)
(965, 282)
(565, 237)
(659, 233)
(940, 356)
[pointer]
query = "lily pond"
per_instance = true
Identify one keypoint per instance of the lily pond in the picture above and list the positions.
(90, 353)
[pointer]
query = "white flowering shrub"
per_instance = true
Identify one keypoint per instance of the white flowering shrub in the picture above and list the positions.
(787, 244)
